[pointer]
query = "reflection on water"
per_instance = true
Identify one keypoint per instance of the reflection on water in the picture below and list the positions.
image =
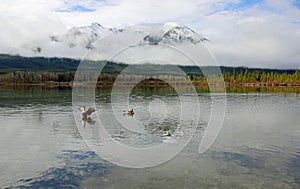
(258, 147)
(78, 165)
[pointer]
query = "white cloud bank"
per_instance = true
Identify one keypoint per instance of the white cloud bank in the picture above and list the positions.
(261, 34)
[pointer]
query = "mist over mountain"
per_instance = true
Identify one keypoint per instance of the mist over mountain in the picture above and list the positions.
(170, 33)
(77, 41)
(104, 42)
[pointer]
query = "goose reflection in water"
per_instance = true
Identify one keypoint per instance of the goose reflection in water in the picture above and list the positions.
(87, 120)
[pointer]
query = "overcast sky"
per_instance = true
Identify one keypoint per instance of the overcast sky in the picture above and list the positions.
(253, 33)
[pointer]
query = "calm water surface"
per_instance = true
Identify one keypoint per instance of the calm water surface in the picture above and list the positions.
(258, 147)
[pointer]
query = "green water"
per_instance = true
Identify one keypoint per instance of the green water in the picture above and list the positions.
(258, 146)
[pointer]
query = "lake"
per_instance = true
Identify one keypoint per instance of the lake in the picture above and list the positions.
(258, 146)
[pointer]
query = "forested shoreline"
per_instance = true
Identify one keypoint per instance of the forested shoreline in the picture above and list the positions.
(18, 70)
(241, 78)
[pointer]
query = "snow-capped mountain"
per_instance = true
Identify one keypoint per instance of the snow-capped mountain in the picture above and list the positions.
(77, 41)
(87, 36)
(84, 36)
(174, 35)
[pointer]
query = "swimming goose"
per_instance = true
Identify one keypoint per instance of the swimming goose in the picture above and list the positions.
(129, 112)
(167, 133)
(85, 113)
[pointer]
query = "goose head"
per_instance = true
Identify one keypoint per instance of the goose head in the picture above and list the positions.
(82, 109)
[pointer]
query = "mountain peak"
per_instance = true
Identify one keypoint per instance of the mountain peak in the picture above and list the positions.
(175, 34)
(82, 36)
(96, 25)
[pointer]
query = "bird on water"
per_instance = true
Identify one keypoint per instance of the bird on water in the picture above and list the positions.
(85, 113)
(129, 112)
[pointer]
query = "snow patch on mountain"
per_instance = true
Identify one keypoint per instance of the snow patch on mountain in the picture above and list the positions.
(83, 36)
(174, 34)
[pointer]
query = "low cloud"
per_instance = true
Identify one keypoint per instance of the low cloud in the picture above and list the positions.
(265, 34)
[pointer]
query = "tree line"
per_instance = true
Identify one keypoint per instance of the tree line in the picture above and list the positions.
(229, 77)
(260, 76)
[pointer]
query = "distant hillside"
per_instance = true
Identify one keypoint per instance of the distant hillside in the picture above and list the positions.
(10, 63)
